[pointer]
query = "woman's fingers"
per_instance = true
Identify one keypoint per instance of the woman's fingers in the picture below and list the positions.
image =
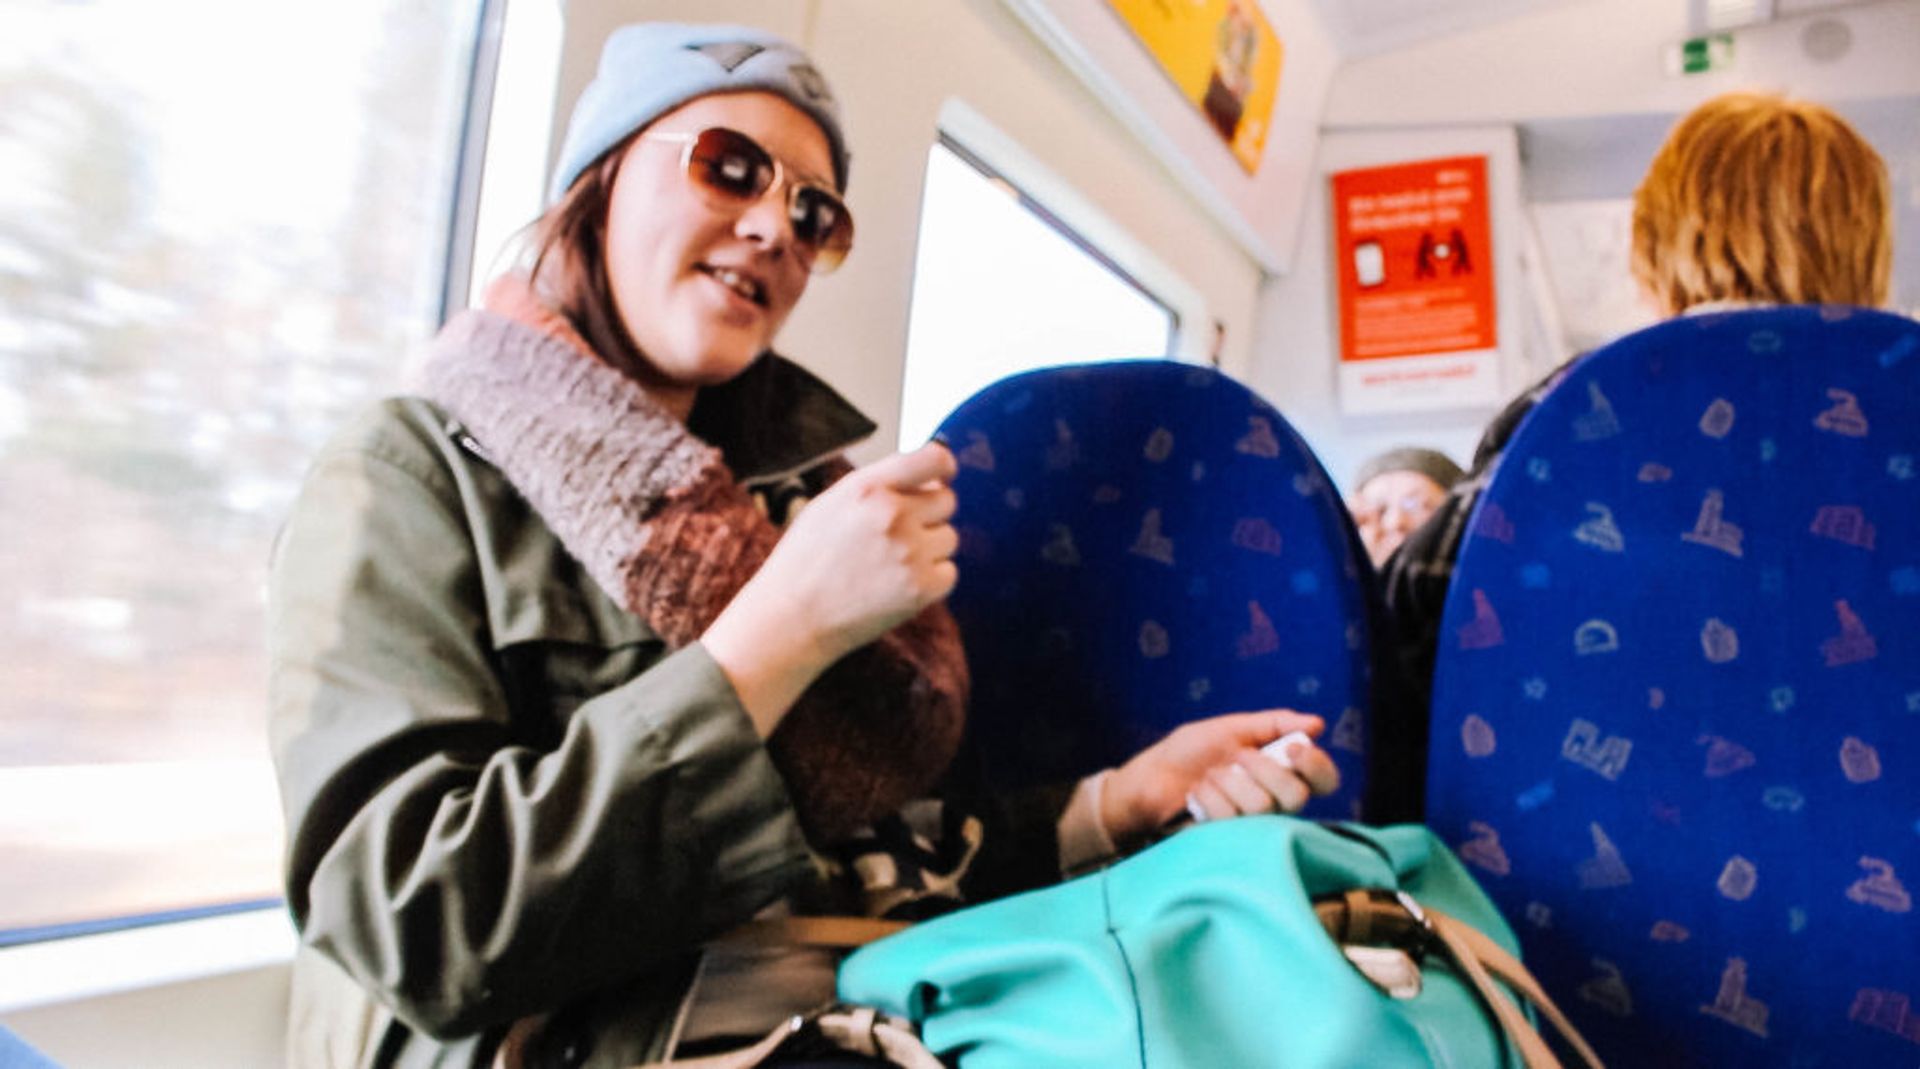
(1285, 722)
(911, 471)
(1282, 774)
(1205, 802)
(1252, 784)
(1215, 768)
(1284, 786)
(1316, 767)
(869, 552)
(930, 506)
(944, 575)
(1247, 794)
(941, 543)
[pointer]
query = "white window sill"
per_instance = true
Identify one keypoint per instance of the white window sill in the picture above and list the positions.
(83, 967)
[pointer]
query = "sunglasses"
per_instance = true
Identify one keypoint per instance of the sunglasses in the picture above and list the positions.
(733, 171)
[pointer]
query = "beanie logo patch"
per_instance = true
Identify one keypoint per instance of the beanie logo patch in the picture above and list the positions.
(809, 82)
(728, 54)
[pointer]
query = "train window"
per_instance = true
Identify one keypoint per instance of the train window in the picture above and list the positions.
(223, 224)
(1002, 285)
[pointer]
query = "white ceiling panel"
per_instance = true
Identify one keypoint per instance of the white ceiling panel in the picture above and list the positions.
(1367, 27)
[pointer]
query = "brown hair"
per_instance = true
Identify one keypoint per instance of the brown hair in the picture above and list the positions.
(568, 263)
(1755, 197)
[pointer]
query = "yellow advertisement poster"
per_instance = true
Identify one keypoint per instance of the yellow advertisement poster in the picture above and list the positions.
(1224, 57)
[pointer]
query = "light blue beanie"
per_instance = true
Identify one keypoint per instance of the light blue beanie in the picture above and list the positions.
(651, 68)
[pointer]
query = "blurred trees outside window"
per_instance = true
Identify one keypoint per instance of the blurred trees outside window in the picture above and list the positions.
(222, 229)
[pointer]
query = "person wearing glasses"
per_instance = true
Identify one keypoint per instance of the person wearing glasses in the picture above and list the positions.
(598, 647)
(1395, 492)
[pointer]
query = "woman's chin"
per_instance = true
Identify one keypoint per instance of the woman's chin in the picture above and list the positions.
(716, 370)
(719, 361)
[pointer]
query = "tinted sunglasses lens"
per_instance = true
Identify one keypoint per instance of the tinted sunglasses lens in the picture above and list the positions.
(821, 221)
(730, 164)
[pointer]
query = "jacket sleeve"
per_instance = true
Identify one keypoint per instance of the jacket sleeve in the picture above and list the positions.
(460, 873)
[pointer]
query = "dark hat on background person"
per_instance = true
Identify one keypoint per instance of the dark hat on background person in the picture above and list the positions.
(651, 68)
(1431, 463)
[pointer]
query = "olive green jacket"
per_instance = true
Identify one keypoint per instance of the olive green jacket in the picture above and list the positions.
(503, 794)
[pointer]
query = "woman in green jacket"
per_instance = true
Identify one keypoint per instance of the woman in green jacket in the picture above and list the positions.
(565, 682)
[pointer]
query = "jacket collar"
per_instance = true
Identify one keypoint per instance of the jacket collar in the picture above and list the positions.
(775, 419)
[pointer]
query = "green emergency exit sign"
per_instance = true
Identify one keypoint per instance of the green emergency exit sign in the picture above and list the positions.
(1698, 55)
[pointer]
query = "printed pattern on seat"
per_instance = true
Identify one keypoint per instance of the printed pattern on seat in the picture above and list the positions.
(1676, 719)
(1143, 543)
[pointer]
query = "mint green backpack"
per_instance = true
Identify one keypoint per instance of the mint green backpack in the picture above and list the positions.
(1258, 941)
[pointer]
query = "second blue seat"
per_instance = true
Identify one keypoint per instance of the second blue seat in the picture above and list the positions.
(1144, 543)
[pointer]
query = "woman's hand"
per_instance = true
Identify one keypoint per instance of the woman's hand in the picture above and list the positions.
(1218, 763)
(869, 553)
(863, 557)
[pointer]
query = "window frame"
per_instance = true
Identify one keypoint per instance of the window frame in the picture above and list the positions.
(1056, 200)
(470, 156)
(1044, 197)
(1060, 226)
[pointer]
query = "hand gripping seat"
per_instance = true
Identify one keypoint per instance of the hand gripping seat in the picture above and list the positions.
(1676, 719)
(1143, 543)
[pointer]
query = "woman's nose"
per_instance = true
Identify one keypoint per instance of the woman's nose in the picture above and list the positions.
(765, 220)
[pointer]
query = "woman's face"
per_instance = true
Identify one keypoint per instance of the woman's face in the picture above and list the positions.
(1390, 506)
(703, 288)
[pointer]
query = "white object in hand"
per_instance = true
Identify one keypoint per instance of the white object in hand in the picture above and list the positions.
(1195, 810)
(1280, 751)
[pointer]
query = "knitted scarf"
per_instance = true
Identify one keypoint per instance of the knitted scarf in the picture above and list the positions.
(660, 523)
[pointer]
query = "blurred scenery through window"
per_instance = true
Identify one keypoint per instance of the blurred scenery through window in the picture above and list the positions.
(222, 228)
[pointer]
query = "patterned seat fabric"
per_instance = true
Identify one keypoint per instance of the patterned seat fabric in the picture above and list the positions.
(1676, 721)
(1143, 543)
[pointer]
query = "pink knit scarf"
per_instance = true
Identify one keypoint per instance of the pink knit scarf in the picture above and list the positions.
(660, 523)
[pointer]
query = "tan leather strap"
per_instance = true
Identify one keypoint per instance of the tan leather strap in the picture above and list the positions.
(1515, 975)
(1520, 1034)
(841, 933)
(1363, 917)
(1358, 917)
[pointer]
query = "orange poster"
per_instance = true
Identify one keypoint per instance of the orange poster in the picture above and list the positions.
(1223, 56)
(1415, 256)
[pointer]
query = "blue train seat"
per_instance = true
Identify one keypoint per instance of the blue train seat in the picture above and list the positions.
(1143, 543)
(1676, 717)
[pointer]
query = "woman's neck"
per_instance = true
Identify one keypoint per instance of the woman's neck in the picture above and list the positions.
(675, 398)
